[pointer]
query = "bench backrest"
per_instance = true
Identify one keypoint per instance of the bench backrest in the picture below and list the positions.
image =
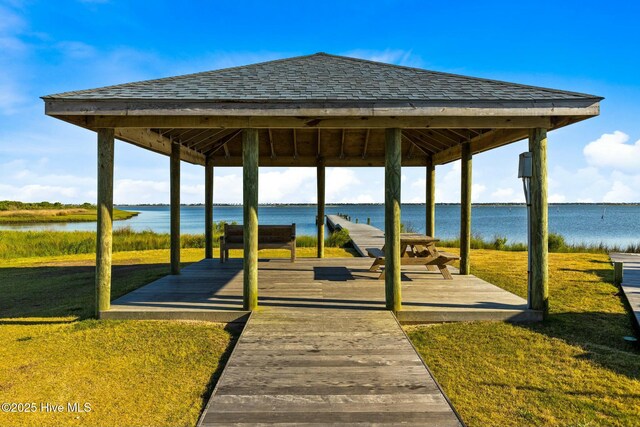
(266, 233)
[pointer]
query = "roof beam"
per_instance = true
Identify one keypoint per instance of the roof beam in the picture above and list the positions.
(190, 122)
(155, 142)
(311, 161)
(366, 144)
(295, 145)
(273, 152)
(205, 143)
(484, 142)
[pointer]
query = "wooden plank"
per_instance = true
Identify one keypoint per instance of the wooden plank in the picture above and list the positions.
(146, 138)
(181, 120)
(208, 210)
(351, 109)
(250, 156)
(465, 208)
(630, 283)
(486, 141)
(393, 177)
(105, 219)
(174, 173)
(539, 222)
(311, 161)
(306, 384)
(209, 290)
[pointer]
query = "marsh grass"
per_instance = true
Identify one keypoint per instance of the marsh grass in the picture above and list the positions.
(573, 369)
(54, 213)
(18, 244)
(557, 243)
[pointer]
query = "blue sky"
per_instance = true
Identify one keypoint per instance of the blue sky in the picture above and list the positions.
(48, 47)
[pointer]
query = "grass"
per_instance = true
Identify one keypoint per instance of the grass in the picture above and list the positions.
(132, 373)
(572, 370)
(17, 244)
(557, 243)
(44, 216)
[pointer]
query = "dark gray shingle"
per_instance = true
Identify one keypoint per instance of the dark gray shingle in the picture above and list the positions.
(323, 77)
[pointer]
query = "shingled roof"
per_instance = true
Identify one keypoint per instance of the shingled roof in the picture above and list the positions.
(322, 77)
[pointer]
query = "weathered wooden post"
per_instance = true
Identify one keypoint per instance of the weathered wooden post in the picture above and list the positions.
(208, 209)
(250, 204)
(539, 222)
(392, 175)
(618, 273)
(431, 199)
(465, 208)
(174, 171)
(105, 220)
(321, 200)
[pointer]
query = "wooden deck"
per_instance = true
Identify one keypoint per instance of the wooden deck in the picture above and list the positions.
(630, 281)
(363, 236)
(209, 290)
(308, 366)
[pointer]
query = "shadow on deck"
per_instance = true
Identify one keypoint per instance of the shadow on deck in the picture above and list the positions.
(209, 290)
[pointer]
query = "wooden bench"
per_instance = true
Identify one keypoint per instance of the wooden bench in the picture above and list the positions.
(429, 259)
(269, 237)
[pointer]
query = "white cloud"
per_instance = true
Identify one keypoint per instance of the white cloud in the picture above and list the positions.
(556, 198)
(612, 151)
(620, 192)
(503, 194)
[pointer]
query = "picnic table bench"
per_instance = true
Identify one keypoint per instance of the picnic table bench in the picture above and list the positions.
(269, 237)
(416, 249)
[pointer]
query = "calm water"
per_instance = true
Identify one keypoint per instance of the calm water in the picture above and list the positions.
(578, 223)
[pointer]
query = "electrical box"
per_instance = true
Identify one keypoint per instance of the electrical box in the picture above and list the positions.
(525, 166)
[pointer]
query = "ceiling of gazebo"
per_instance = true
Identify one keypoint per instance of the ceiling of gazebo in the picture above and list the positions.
(321, 107)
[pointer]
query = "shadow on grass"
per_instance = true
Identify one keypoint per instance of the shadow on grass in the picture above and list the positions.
(599, 334)
(64, 291)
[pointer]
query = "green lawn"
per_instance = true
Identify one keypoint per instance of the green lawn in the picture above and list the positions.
(572, 370)
(132, 373)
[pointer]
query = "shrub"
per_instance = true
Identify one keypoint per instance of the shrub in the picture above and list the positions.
(557, 243)
(499, 243)
(339, 238)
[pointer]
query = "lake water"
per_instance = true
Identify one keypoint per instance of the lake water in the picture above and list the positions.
(610, 224)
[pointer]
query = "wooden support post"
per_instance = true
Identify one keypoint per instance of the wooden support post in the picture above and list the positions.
(465, 208)
(539, 222)
(208, 209)
(392, 175)
(250, 205)
(618, 273)
(431, 199)
(174, 171)
(321, 200)
(105, 220)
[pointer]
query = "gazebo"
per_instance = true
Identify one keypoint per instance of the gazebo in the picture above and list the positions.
(317, 111)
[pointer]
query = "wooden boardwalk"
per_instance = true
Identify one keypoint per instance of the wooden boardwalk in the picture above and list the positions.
(631, 280)
(296, 366)
(363, 236)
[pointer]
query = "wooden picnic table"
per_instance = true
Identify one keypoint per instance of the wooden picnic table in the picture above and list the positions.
(416, 249)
